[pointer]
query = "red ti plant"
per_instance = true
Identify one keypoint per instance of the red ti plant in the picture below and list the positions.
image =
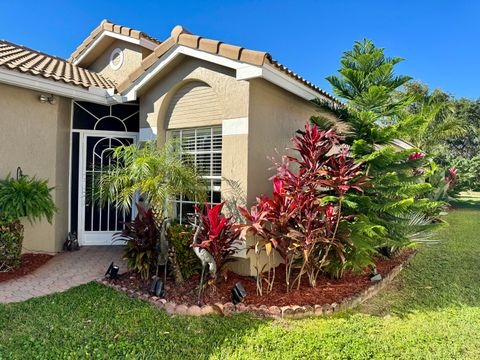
(141, 237)
(218, 235)
(451, 178)
(301, 219)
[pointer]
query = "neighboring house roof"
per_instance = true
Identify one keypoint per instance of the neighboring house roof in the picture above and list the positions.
(22, 59)
(181, 36)
(106, 25)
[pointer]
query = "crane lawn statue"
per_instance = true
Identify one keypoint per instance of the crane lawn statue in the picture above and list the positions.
(205, 257)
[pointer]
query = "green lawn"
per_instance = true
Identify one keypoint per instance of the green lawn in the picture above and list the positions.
(432, 311)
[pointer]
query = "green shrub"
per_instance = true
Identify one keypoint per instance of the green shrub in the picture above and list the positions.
(180, 237)
(11, 236)
(24, 197)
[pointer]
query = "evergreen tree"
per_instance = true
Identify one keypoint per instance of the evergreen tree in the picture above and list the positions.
(396, 205)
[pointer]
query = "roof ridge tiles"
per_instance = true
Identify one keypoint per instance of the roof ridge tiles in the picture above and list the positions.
(107, 25)
(181, 36)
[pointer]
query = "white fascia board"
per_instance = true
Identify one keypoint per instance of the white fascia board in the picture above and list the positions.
(142, 42)
(95, 95)
(288, 83)
(169, 56)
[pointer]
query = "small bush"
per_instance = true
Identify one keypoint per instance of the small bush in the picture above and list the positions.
(141, 236)
(218, 236)
(11, 236)
(180, 237)
(26, 197)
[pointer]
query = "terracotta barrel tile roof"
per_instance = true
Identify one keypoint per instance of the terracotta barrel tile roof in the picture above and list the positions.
(181, 36)
(108, 26)
(19, 58)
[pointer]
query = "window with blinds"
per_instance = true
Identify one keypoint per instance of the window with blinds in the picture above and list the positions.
(203, 147)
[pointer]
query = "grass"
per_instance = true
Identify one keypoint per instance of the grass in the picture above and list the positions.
(432, 311)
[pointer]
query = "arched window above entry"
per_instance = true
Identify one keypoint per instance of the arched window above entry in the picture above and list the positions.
(90, 116)
(193, 105)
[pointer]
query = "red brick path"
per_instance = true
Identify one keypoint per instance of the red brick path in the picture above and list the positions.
(64, 271)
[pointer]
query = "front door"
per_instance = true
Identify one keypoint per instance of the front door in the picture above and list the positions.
(97, 224)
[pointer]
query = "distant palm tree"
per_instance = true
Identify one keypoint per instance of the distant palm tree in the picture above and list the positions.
(430, 120)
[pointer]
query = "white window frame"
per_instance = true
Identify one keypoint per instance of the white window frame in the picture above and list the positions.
(211, 178)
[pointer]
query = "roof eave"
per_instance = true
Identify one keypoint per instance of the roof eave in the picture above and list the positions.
(92, 94)
(244, 71)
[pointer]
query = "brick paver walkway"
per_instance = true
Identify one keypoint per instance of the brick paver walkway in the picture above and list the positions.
(63, 272)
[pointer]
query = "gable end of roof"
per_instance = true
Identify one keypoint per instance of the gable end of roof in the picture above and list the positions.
(106, 25)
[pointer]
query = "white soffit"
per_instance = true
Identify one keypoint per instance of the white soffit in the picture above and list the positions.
(237, 126)
(95, 95)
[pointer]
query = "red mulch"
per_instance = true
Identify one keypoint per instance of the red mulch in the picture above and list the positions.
(29, 263)
(328, 290)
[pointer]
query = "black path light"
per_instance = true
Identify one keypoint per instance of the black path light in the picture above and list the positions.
(238, 293)
(375, 276)
(112, 271)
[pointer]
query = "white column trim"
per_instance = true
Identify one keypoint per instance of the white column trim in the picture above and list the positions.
(238, 126)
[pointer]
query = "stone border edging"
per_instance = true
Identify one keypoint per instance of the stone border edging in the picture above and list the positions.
(276, 312)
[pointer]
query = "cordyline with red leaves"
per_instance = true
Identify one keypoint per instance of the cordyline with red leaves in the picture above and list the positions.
(141, 236)
(218, 235)
(302, 219)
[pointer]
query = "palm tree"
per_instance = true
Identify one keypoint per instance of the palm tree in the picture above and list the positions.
(156, 174)
(431, 117)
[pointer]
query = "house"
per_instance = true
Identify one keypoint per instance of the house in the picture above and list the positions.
(231, 108)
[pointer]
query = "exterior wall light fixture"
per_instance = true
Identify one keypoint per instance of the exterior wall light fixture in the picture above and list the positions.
(51, 99)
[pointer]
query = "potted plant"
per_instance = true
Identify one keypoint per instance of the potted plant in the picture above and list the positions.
(21, 197)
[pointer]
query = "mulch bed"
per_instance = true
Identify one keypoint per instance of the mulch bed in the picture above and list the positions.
(29, 263)
(328, 290)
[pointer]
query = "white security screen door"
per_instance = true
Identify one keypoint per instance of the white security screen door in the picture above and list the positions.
(96, 224)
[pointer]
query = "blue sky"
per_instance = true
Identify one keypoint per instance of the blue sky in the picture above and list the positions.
(439, 39)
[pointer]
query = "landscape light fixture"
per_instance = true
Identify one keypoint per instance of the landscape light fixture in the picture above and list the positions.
(112, 271)
(375, 276)
(238, 293)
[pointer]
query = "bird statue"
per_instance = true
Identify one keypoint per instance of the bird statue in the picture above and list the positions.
(205, 257)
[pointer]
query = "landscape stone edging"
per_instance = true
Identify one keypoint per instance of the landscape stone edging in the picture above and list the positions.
(291, 311)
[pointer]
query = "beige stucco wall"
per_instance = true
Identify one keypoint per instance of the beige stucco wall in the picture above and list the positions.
(36, 137)
(272, 114)
(232, 97)
(274, 117)
(133, 55)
